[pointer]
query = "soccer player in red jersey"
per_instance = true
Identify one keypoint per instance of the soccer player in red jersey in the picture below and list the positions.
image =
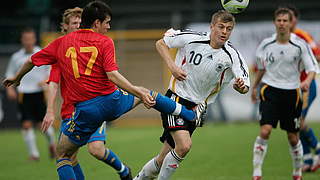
(90, 81)
(71, 20)
(308, 138)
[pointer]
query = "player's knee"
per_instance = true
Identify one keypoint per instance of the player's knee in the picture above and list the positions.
(27, 124)
(96, 150)
(183, 149)
(265, 133)
(293, 139)
(63, 153)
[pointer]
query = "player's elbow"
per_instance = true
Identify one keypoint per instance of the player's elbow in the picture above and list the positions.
(160, 44)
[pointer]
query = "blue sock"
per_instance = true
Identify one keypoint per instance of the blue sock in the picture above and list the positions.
(78, 172)
(65, 170)
(168, 106)
(312, 139)
(113, 160)
(306, 147)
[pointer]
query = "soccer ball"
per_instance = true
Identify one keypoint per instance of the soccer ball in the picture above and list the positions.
(235, 6)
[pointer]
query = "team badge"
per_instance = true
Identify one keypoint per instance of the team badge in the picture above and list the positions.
(180, 121)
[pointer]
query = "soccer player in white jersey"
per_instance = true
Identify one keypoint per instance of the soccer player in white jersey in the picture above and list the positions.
(204, 65)
(30, 94)
(279, 59)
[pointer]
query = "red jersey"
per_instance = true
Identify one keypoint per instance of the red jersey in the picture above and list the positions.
(315, 49)
(83, 57)
(67, 108)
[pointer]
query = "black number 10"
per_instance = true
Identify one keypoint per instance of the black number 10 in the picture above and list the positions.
(195, 59)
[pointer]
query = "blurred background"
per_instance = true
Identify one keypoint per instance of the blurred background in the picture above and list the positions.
(135, 27)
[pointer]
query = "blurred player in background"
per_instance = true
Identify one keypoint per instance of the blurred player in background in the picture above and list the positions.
(71, 20)
(90, 81)
(307, 136)
(204, 65)
(278, 58)
(30, 94)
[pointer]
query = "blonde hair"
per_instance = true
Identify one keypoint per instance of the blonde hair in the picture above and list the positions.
(222, 15)
(73, 12)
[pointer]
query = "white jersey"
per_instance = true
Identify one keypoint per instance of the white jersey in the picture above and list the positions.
(208, 70)
(284, 62)
(30, 83)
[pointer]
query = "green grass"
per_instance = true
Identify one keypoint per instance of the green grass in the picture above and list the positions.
(219, 152)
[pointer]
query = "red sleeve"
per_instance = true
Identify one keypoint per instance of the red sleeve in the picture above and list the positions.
(47, 55)
(316, 50)
(55, 74)
(109, 59)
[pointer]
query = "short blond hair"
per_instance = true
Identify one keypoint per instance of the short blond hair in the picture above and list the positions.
(224, 16)
(73, 12)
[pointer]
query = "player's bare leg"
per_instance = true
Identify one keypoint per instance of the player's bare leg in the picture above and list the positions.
(173, 159)
(65, 150)
(260, 150)
(99, 151)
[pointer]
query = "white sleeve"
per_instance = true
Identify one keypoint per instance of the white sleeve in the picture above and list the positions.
(239, 67)
(11, 68)
(308, 59)
(178, 39)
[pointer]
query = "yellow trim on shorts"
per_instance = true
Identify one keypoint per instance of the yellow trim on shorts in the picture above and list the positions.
(262, 92)
(101, 129)
(177, 99)
(20, 98)
(298, 97)
(174, 85)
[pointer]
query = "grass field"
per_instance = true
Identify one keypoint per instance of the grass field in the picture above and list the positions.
(219, 152)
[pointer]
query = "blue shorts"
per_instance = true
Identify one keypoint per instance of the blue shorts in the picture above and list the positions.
(99, 135)
(89, 115)
(308, 98)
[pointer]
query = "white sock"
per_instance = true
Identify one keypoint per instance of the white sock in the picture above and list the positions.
(170, 164)
(50, 135)
(30, 139)
(177, 110)
(259, 152)
(297, 159)
(149, 171)
(318, 146)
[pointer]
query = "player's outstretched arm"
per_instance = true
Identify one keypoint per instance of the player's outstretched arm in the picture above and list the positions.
(164, 52)
(50, 114)
(123, 83)
(27, 66)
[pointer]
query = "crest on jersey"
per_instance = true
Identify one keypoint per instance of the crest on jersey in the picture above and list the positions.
(180, 121)
(219, 67)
